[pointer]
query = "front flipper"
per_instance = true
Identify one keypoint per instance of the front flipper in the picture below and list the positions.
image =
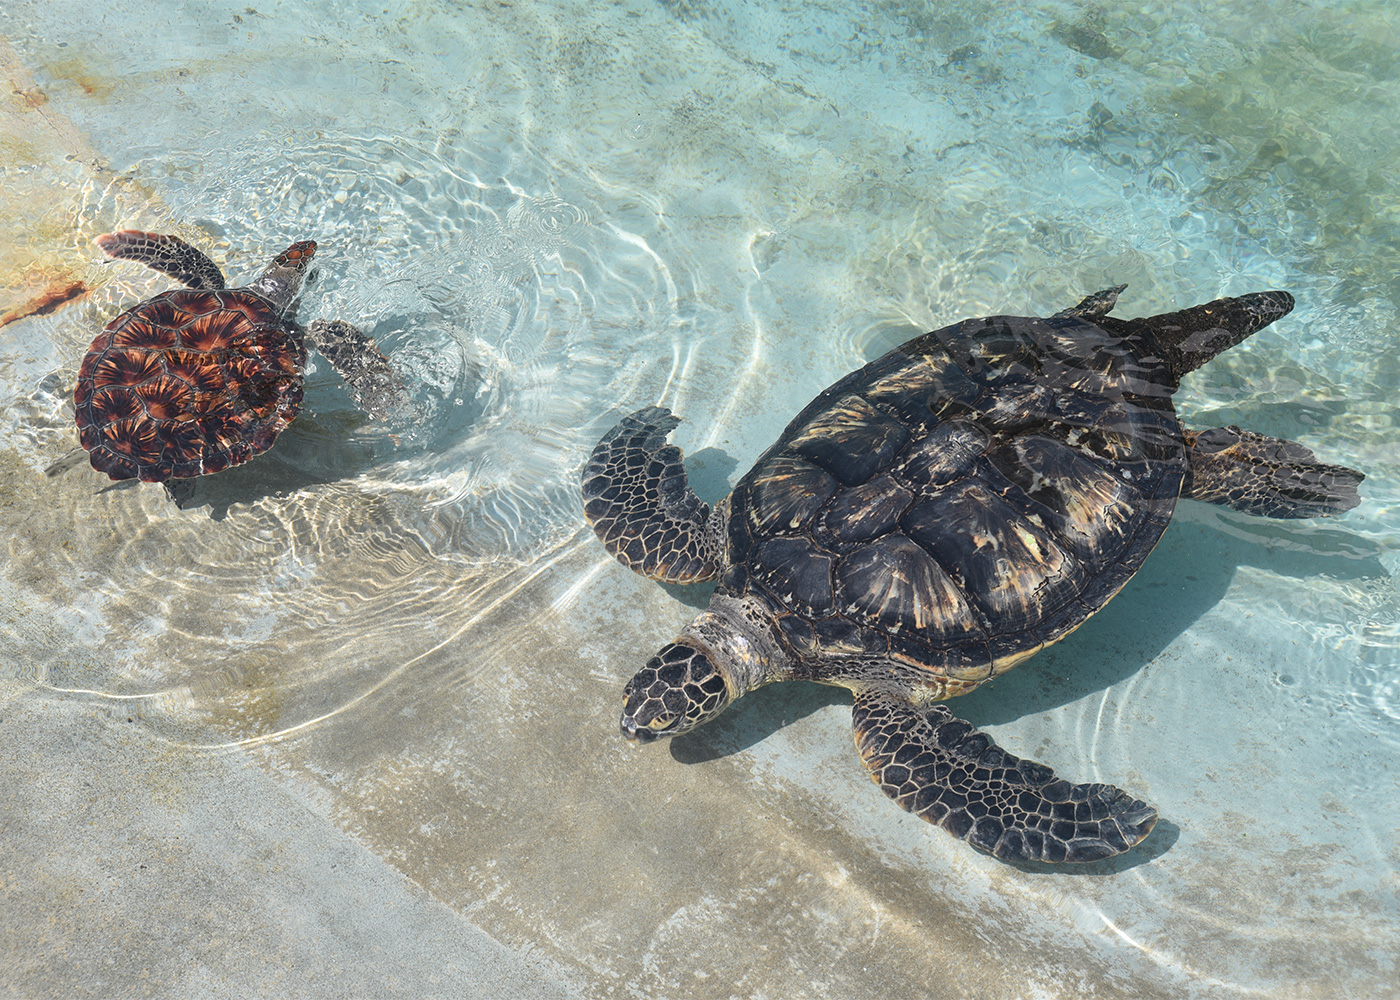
(943, 770)
(639, 502)
(166, 254)
(1265, 476)
(371, 381)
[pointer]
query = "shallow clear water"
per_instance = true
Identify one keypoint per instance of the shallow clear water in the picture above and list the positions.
(550, 215)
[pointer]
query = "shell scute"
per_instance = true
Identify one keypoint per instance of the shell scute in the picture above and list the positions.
(117, 402)
(866, 511)
(116, 466)
(145, 335)
(851, 439)
(196, 370)
(947, 453)
(797, 572)
(1012, 568)
(1091, 511)
(788, 493)
(895, 583)
(167, 398)
(124, 367)
(220, 330)
(133, 438)
(922, 387)
(158, 318)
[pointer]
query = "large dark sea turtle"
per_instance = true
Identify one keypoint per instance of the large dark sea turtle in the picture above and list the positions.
(935, 518)
(199, 379)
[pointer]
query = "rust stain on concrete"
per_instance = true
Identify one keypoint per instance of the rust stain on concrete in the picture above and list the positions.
(45, 302)
(48, 173)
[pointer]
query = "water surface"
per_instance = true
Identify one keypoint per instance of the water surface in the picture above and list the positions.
(550, 215)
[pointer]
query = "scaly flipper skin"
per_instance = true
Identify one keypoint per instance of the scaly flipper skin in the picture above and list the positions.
(639, 502)
(1265, 476)
(944, 771)
(1188, 338)
(166, 254)
(1096, 305)
(372, 382)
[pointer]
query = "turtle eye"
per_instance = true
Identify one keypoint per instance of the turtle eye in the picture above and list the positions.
(660, 722)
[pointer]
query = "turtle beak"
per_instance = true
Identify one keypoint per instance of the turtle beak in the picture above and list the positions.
(635, 734)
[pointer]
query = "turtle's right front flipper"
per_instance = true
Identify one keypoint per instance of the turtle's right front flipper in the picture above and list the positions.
(638, 499)
(1265, 476)
(370, 379)
(166, 254)
(945, 771)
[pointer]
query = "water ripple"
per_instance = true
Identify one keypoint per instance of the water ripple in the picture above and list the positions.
(523, 305)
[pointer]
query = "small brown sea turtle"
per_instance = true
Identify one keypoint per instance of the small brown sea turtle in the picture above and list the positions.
(930, 521)
(199, 379)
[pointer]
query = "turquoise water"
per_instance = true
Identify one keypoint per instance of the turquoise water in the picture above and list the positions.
(552, 214)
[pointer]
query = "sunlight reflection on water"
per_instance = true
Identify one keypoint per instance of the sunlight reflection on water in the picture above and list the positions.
(723, 208)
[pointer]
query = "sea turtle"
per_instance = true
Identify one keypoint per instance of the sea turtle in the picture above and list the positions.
(933, 519)
(199, 379)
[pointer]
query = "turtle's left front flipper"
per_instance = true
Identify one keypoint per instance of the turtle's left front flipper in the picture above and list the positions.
(372, 382)
(1265, 476)
(945, 771)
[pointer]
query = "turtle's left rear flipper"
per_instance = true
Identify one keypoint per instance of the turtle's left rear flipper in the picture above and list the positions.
(943, 770)
(372, 382)
(1265, 476)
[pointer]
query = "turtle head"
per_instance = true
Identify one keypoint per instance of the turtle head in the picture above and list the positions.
(282, 280)
(679, 688)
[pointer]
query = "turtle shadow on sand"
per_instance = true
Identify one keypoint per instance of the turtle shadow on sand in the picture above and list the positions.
(1170, 593)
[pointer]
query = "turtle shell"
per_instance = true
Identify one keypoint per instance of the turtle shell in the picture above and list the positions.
(187, 383)
(961, 502)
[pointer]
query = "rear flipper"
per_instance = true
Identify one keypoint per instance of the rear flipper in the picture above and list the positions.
(1265, 476)
(943, 770)
(166, 254)
(372, 382)
(1188, 338)
(1096, 305)
(638, 499)
(179, 491)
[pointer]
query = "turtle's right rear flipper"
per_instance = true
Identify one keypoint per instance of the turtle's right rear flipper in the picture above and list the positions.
(370, 379)
(166, 254)
(1265, 476)
(638, 499)
(944, 771)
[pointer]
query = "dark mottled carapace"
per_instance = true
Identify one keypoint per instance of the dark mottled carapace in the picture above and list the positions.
(962, 501)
